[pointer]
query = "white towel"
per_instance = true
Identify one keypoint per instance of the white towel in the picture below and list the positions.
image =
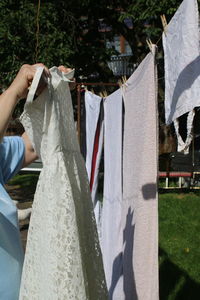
(182, 61)
(112, 235)
(140, 207)
(92, 109)
(94, 146)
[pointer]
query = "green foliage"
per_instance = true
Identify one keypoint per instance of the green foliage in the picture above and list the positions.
(15, 34)
(18, 37)
(69, 33)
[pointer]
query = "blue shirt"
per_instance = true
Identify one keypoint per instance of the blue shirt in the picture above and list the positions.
(11, 252)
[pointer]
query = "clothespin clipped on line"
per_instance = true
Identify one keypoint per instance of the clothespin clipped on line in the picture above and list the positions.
(164, 23)
(84, 87)
(92, 90)
(124, 79)
(120, 83)
(103, 94)
(150, 44)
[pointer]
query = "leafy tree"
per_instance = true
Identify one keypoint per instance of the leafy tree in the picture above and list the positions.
(69, 33)
(18, 37)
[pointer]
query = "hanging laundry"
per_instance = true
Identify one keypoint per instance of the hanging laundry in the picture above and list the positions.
(140, 206)
(92, 108)
(182, 61)
(184, 146)
(94, 146)
(112, 235)
(63, 257)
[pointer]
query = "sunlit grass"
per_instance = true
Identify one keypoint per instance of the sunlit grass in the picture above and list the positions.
(26, 180)
(179, 226)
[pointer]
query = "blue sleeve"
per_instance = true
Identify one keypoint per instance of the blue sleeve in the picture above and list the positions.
(11, 157)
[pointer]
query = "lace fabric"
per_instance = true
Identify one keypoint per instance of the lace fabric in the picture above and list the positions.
(63, 258)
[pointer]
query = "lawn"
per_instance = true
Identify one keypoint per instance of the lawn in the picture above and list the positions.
(25, 181)
(179, 243)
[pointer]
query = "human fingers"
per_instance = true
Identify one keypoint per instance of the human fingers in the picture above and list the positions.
(22, 81)
(64, 69)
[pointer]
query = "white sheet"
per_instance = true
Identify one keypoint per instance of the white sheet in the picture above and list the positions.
(112, 235)
(140, 205)
(182, 61)
(93, 111)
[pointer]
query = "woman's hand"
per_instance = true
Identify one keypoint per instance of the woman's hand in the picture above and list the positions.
(24, 78)
(63, 69)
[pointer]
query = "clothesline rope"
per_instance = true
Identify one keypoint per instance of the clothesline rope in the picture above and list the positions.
(37, 31)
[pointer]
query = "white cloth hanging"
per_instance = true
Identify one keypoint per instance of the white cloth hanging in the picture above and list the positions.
(184, 146)
(63, 258)
(94, 146)
(92, 109)
(140, 206)
(112, 235)
(182, 61)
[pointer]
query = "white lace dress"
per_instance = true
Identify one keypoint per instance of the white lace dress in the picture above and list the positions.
(63, 258)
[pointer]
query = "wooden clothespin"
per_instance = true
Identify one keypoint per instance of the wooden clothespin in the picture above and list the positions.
(120, 83)
(92, 90)
(105, 94)
(124, 79)
(84, 87)
(164, 23)
(101, 95)
(149, 43)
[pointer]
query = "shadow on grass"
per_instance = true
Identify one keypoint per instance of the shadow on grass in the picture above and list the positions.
(175, 284)
(175, 191)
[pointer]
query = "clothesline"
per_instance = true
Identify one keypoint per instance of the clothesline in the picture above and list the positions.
(79, 85)
(97, 83)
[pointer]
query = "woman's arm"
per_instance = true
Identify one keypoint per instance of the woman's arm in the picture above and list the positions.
(30, 155)
(17, 90)
(8, 100)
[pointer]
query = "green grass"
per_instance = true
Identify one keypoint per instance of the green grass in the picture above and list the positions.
(23, 187)
(179, 227)
(26, 180)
